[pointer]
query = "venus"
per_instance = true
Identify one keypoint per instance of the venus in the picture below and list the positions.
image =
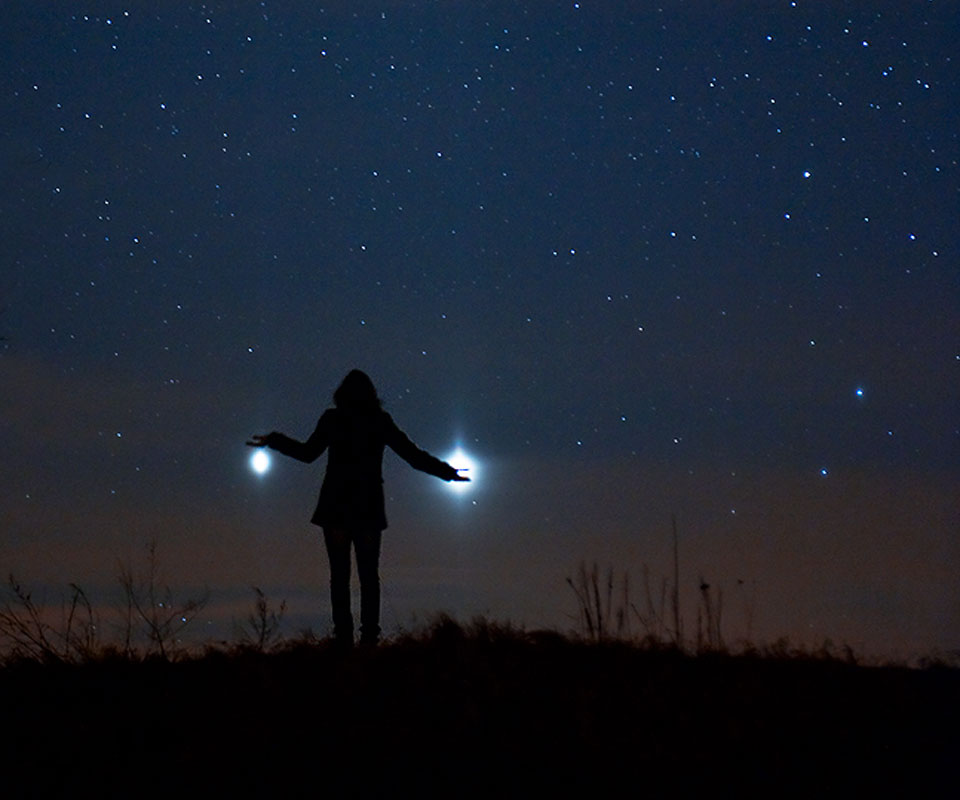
(260, 461)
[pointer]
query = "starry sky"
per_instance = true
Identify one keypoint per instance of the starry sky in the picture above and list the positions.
(641, 261)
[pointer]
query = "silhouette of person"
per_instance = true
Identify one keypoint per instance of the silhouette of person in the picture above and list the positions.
(351, 506)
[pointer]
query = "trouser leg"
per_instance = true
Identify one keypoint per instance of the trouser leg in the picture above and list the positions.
(338, 552)
(367, 547)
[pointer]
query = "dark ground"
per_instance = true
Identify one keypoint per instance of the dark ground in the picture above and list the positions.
(478, 712)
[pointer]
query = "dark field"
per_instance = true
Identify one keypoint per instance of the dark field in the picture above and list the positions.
(478, 711)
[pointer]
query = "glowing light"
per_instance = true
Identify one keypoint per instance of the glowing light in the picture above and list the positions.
(459, 459)
(260, 461)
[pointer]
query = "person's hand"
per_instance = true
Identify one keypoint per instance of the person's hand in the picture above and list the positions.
(258, 440)
(459, 477)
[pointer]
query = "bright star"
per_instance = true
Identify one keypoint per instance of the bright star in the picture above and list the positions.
(260, 461)
(460, 460)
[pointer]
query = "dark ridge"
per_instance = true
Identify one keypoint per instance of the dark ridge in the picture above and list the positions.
(481, 710)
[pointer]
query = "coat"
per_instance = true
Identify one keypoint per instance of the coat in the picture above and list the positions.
(351, 495)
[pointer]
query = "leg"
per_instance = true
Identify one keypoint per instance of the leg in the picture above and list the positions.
(367, 546)
(338, 552)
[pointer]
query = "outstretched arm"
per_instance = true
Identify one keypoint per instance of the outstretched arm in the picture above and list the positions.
(420, 459)
(307, 451)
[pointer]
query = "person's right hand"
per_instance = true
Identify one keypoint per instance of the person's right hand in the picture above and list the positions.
(258, 440)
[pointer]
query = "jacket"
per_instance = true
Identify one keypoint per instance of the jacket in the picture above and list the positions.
(351, 495)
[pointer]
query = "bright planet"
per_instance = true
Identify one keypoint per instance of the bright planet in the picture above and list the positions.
(260, 461)
(459, 459)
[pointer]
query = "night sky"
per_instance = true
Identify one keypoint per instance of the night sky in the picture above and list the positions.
(697, 260)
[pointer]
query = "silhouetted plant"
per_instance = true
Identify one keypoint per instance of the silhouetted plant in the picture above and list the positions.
(23, 623)
(677, 620)
(652, 618)
(260, 631)
(709, 618)
(599, 618)
(152, 607)
(597, 611)
(659, 614)
(591, 611)
(749, 603)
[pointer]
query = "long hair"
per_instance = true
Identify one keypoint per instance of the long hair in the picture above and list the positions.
(357, 393)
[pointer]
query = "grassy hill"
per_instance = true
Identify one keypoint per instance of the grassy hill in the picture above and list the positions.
(479, 710)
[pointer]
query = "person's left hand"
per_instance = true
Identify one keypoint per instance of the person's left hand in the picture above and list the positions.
(258, 440)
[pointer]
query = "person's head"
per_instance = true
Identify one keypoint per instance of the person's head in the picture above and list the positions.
(356, 393)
